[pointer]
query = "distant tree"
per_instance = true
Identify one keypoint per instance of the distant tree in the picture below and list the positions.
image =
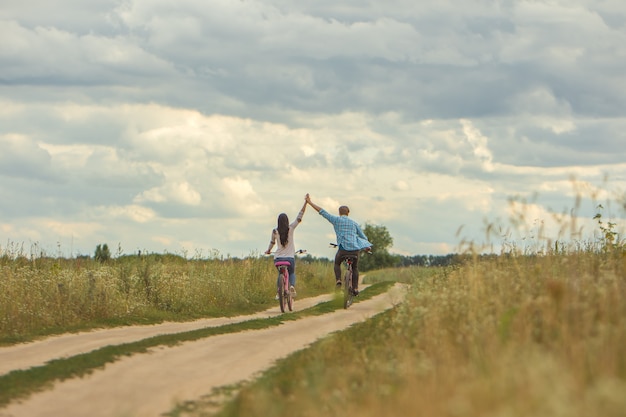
(103, 254)
(381, 242)
(415, 260)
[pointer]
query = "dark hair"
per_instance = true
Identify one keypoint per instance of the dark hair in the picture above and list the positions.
(283, 228)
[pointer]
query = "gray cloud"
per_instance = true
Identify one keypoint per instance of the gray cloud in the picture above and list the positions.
(23, 158)
(148, 118)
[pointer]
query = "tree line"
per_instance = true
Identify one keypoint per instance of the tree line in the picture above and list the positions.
(379, 258)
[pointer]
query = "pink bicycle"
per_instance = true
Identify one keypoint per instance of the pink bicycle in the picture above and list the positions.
(285, 296)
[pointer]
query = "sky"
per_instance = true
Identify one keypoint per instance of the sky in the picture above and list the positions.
(187, 126)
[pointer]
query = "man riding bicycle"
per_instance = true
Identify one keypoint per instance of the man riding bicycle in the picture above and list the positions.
(350, 240)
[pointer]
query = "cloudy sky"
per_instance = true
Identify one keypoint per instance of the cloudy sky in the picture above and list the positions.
(187, 126)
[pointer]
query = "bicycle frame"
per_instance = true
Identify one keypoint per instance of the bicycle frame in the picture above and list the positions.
(348, 294)
(285, 297)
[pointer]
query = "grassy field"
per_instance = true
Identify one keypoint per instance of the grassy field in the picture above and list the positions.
(506, 336)
(43, 295)
(509, 335)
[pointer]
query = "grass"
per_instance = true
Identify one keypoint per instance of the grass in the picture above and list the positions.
(41, 296)
(21, 383)
(510, 336)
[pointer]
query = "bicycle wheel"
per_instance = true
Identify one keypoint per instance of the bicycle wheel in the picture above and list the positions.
(289, 297)
(347, 289)
(282, 290)
(281, 299)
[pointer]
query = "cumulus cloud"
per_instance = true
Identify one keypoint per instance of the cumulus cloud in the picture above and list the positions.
(191, 124)
(86, 59)
(182, 193)
(240, 196)
(23, 157)
(133, 212)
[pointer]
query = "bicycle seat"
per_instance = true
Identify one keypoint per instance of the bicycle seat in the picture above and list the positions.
(282, 263)
(349, 257)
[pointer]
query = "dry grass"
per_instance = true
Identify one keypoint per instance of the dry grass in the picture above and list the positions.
(538, 330)
(519, 336)
(508, 336)
(43, 295)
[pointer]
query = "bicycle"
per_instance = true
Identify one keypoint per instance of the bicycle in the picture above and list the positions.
(285, 296)
(348, 292)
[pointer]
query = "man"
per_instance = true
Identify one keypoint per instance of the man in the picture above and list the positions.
(350, 240)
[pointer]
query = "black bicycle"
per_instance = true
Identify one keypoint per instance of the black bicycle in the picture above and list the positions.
(348, 290)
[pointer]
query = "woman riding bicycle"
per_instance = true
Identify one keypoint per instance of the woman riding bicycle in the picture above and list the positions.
(350, 239)
(282, 235)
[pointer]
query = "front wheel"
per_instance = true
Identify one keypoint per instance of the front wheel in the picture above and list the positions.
(284, 295)
(347, 289)
(281, 293)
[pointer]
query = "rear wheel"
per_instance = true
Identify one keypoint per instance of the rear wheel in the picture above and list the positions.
(281, 299)
(347, 289)
(281, 292)
(289, 297)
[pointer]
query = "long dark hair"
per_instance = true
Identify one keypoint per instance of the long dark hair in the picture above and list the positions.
(283, 228)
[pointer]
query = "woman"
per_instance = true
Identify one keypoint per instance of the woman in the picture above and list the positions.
(282, 237)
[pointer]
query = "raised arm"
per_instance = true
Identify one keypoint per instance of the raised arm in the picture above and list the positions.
(302, 210)
(312, 204)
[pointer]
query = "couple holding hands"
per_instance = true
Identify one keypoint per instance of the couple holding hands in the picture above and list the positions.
(350, 241)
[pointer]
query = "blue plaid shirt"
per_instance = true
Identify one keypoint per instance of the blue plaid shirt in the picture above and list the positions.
(350, 237)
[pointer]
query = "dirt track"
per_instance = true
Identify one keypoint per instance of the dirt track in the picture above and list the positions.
(151, 384)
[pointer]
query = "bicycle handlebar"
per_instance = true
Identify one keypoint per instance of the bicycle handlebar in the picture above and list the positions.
(299, 251)
(366, 250)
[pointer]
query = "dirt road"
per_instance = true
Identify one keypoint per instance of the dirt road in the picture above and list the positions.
(147, 385)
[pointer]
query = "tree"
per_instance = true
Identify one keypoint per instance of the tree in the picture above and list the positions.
(381, 242)
(103, 254)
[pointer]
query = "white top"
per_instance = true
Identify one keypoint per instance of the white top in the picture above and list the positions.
(288, 251)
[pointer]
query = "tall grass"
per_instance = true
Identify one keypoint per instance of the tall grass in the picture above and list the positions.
(517, 336)
(505, 336)
(43, 295)
(537, 330)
